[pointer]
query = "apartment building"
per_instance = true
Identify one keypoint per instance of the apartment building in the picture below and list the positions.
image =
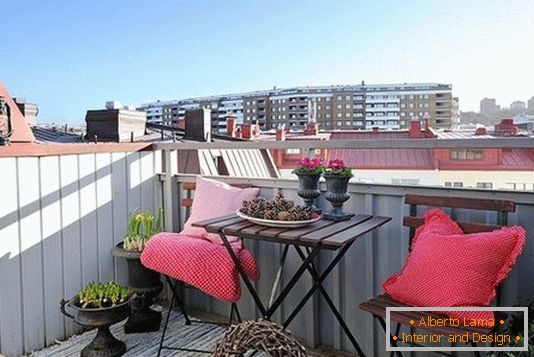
(363, 107)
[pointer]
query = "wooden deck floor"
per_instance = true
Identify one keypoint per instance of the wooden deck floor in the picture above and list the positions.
(198, 336)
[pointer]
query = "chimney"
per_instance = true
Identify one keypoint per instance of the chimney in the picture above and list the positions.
(255, 128)
(481, 131)
(415, 128)
(311, 128)
(238, 133)
(181, 123)
(280, 134)
(246, 130)
(198, 124)
(231, 126)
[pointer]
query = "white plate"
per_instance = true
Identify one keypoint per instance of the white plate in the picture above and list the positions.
(278, 224)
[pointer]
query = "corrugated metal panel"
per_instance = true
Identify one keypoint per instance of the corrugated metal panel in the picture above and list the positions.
(59, 217)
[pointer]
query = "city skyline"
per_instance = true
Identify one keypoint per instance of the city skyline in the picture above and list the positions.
(67, 64)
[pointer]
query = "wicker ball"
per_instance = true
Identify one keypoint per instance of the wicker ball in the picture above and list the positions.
(259, 335)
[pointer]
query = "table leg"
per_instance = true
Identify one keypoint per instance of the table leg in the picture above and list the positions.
(269, 311)
(317, 285)
(243, 274)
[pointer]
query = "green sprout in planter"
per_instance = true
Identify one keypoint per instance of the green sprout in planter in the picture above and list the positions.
(99, 295)
(141, 227)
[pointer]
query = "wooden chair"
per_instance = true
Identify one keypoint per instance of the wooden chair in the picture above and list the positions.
(377, 305)
(187, 203)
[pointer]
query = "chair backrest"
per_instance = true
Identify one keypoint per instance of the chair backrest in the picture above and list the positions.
(502, 207)
(189, 187)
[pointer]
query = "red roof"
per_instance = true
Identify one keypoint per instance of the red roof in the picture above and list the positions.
(381, 158)
(21, 130)
(520, 159)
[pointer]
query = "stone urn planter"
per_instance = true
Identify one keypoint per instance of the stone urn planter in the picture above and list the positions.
(146, 284)
(309, 189)
(104, 344)
(336, 194)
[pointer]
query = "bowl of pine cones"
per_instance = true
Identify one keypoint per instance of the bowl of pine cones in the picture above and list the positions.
(280, 212)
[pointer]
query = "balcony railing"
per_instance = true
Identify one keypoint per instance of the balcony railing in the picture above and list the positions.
(61, 213)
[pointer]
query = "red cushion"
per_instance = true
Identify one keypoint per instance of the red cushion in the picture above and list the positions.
(200, 263)
(437, 221)
(456, 269)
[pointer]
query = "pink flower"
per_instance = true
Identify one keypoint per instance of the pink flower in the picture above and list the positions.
(312, 164)
(336, 164)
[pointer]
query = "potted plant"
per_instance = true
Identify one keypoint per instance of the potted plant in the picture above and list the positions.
(100, 305)
(337, 177)
(144, 282)
(309, 172)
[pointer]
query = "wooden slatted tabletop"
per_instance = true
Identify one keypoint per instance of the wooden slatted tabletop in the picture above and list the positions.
(330, 234)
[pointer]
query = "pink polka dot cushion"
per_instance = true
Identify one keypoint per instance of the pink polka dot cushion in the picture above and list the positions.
(437, 221)
(455, 269)
(215, 199)
(200, 263)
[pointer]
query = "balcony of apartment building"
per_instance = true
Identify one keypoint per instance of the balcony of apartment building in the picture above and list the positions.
(65, 206)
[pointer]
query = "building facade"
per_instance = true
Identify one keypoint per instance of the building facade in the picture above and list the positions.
(388, 106)
(489, 106)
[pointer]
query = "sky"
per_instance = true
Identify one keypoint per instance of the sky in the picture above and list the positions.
(71, 56)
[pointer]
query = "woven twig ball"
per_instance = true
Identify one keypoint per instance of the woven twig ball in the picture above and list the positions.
(259, 335)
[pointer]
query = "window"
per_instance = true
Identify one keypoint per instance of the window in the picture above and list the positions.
(426, 96)
(463, 154)
(347, 106)
(319, 107)
(403, 105)
(328, 99)
(328, 107)
(420, 105)
(410, 105)
(339, 97)
(328, 115)
(411, 96)
(293, 151)
(426, 105)
(447, 184)
(348, 115)
(339, 106)
(339, 123)
(403, 114)
(458, 184)
(339, 115)
(484, 185)
(347, 97)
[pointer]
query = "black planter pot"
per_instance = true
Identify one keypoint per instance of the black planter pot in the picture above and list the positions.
(104, 344)
(309, 190)
(336, 194)
(147, 285)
